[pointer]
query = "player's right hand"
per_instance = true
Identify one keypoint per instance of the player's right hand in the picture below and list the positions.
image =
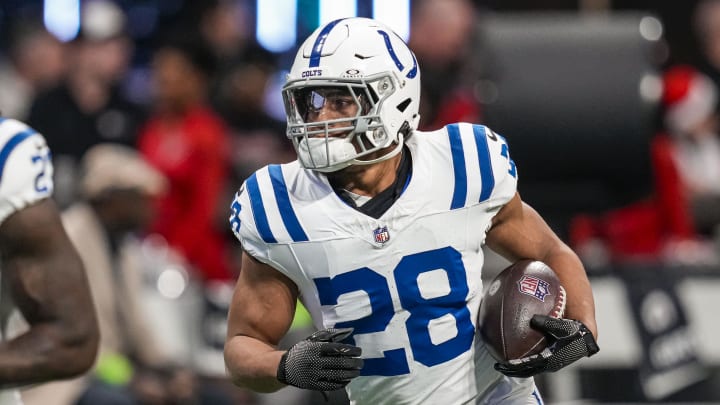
(320, 362)
(570, 340)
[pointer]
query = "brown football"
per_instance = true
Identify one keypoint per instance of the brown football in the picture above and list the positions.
(523, 289)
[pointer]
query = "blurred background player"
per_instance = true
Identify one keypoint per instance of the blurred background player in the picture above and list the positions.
(47, 323)
(361, 228)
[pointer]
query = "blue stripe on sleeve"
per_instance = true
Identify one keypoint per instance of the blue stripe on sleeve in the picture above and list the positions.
(320, 43)
(287, 213)
(14, 141)
(486, 170)
(458, 157)
(536, 394)
(258, 210)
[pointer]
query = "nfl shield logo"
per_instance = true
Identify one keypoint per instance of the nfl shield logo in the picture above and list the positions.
(381, 234)
(534, 287)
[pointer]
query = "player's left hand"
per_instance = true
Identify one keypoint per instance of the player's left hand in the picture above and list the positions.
(569, 341)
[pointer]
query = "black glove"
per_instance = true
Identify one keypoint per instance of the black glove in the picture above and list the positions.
(320, 362)
(569, 341)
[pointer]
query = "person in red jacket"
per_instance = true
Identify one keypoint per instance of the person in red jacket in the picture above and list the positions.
(693, 122)
(668, 224)
(188, 142)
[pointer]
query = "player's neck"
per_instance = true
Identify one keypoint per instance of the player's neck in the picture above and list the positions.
(368, 180)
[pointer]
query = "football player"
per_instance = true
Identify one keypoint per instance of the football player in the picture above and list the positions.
(41, 277)
(378, 228)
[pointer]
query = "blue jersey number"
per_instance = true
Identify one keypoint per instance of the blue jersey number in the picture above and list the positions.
(504, 152)
(42, 182)
(235, 209)
(422, 310)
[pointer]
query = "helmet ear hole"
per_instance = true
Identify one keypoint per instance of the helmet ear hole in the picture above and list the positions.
(404, 105)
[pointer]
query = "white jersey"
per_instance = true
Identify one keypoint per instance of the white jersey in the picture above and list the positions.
(409, 283)
(25, 178)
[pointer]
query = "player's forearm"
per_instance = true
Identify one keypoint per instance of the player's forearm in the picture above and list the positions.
(570, 271)
(47, 352)
(253, 364)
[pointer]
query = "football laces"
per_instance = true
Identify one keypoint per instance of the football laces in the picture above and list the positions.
(559, 309)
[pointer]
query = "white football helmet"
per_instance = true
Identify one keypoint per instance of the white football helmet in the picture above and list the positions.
(368, 62)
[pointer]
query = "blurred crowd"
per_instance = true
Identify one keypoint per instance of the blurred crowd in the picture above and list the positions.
(148, 155)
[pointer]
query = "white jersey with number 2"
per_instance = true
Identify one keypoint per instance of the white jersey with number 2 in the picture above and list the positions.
(409, 282)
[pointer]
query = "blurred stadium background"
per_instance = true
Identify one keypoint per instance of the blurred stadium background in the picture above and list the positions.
(576, 86)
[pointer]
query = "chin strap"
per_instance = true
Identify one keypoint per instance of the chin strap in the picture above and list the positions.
(398, 148)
